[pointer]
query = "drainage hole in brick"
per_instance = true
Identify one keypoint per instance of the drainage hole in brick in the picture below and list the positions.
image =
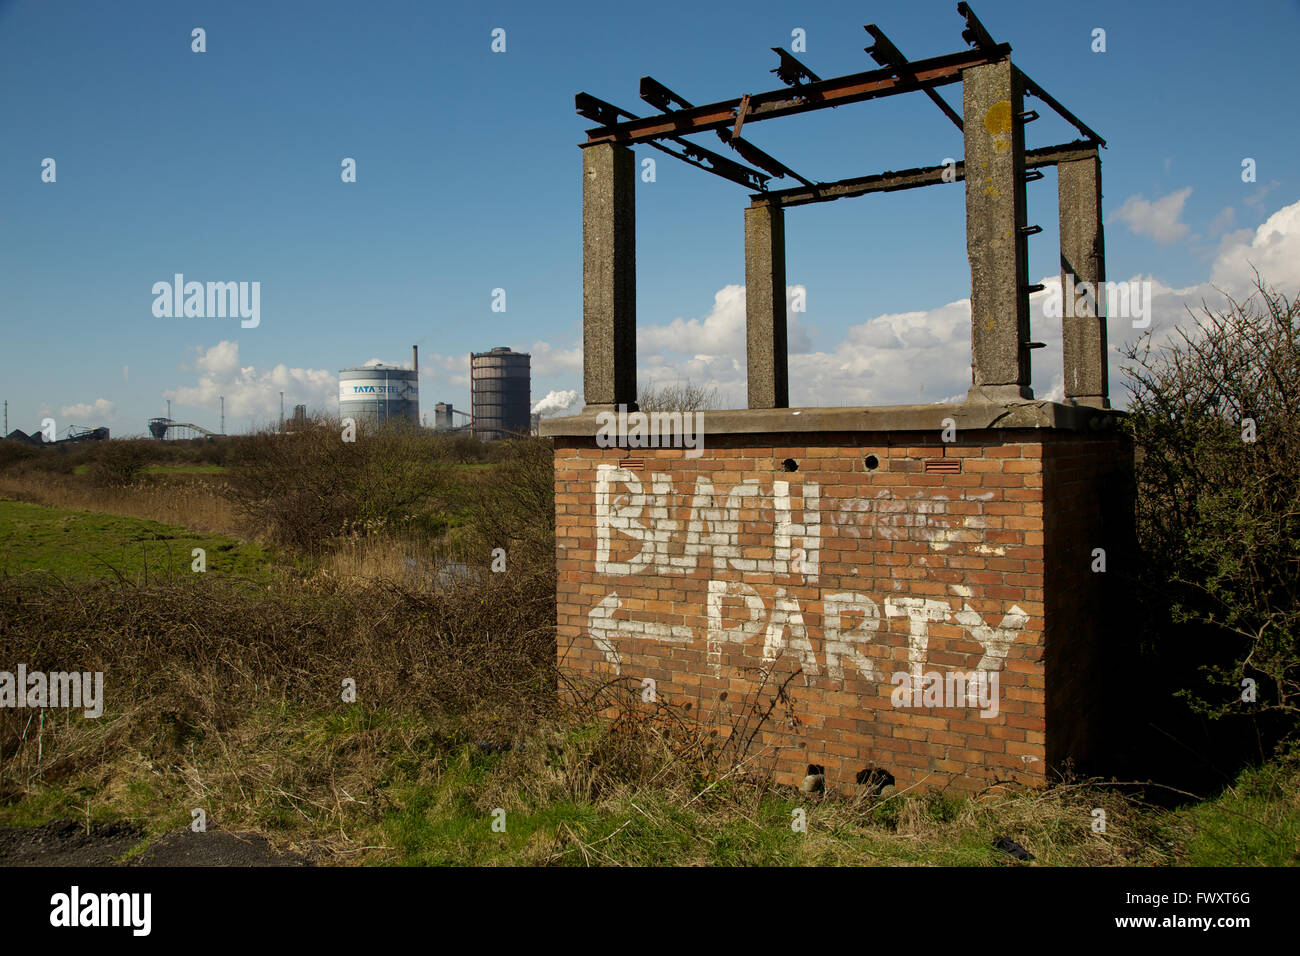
(872, 462)
(874, 779)
(790, 465)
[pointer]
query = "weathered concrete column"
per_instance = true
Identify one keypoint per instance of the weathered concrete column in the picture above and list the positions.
(609, 275)
(1083, 260)
(765, 328)
(992, 101)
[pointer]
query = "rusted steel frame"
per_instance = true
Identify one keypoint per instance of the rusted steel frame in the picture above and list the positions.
(886, 54)
(601, 111)
(726, 168)
(660, 96)
(936, 71)
(791, 71)
(1033, 89)
(975, 34)
(914, 178)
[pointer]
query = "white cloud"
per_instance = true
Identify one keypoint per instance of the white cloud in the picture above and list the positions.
(1223, 221)
(1160, 220)
(1262, 190)
(1273, 248)
(444, 371)
(98, 410)
(549, 360)
(220, 360)
(722, 330)
(924, 356)
(251, 392)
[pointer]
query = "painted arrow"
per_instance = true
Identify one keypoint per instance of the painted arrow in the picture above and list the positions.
(604, 627)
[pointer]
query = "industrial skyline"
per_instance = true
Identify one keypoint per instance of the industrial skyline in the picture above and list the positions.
(327, 257)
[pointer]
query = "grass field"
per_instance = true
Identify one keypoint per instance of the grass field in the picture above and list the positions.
(226, 697)
(84, 545)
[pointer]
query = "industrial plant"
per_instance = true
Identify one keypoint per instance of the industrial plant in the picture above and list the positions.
(499, 385)
(500, 392)
(380, 394)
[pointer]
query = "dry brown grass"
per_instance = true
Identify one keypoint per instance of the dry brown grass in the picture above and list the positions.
(189, 503)
(236, 691)
(418, 564)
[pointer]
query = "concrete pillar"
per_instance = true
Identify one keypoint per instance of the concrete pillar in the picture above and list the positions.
(992, 101)
(609, 275)
(765, 328)
(1083, 259)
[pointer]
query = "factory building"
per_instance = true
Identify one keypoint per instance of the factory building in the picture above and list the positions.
(381, 394)
(500, 382)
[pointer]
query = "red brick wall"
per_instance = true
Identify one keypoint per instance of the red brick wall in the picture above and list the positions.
(850, 574)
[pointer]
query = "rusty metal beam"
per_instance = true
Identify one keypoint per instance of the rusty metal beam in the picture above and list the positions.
(936, 71)
(707, 160)
(712, 162)
(791, 72)
(886, 54)
(975, 34)
(1033, 89)
(661, 98)
(913, 178)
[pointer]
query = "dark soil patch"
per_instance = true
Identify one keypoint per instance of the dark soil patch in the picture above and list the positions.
(215, 848)
(67, 843)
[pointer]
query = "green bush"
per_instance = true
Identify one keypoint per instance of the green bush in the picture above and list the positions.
(1215, 419)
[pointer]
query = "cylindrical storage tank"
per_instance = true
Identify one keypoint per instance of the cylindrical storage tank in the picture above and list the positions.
(379, 394)
(500, 382)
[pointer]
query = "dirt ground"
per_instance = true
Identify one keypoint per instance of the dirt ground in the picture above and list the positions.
(67, 843)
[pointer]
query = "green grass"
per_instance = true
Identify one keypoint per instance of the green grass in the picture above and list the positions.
(84, 545)
(424, 800)
(1255, 822)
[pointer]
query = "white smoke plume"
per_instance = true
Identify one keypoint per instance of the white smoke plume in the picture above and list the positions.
(556, 402)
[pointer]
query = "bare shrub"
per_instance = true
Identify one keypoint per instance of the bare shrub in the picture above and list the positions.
(676, 397)
(119, 462)
(306, 486)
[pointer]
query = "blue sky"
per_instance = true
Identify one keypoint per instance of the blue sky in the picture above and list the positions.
(225, 166)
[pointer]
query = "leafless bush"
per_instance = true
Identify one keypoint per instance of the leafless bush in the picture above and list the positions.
(676, 397)
(1216, 423)
(306, 486)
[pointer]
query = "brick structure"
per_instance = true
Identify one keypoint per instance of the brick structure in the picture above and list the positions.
(924, 584)
(883, 553)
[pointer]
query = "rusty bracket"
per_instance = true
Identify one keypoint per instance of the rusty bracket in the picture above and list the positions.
(741, 112)
(791, 72)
